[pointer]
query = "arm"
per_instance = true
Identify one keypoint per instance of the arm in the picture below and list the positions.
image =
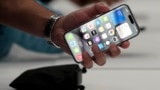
(25, 15)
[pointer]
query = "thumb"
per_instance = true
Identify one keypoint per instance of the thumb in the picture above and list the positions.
(96, 9)
(83, 15)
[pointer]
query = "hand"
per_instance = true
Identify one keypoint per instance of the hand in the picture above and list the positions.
(85, 2)
(74, 20)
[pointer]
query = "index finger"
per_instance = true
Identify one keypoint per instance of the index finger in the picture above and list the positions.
(97, 9)
(125, 44)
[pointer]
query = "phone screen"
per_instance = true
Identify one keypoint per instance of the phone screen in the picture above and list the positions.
(113, 27)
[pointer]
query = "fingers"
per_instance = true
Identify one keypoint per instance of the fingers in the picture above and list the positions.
(87, 60)
(99, 57)
(125, 44)
(114, 51)
(96, 9)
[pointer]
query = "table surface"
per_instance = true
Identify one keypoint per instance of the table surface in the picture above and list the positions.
(137, 68)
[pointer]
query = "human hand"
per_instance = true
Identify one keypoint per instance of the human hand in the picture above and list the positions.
(85, 2)
(74, 20)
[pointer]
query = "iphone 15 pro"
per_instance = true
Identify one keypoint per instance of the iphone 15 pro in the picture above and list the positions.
(113, 27)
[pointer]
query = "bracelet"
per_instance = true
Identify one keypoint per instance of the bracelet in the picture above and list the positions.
(50, 28)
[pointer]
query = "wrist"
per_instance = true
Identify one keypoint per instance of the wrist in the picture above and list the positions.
(50, 30)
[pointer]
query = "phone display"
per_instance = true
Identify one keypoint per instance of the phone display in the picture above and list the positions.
(113, 27)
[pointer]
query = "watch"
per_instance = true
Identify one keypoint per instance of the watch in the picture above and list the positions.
(49, 28)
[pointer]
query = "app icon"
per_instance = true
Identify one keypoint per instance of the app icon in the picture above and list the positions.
(90, 43)
(93, 32)
(101, 29)
(100, 45)
(124, 30)
(105, 18)
(86, 36)
(108, 26)
(83, 29)
(76, 50)
(72, 43)
(108, 43)
(90, 25)
(111, 32)
(115, 39)
(104, 36)
(79, 57)
(118, 17)
(98, 22)
(97, 39)
(69, 36)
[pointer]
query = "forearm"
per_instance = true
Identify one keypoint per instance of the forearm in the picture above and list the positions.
(25, 15)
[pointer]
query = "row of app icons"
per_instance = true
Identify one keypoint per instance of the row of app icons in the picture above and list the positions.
(90, 26)
(96, 23)
(103, 35)
(100, 42)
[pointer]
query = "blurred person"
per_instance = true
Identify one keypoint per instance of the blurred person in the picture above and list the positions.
(32, 18)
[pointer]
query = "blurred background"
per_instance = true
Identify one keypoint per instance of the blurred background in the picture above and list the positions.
(137, 68)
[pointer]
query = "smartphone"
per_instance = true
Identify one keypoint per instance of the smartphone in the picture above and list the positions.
(113, 27)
